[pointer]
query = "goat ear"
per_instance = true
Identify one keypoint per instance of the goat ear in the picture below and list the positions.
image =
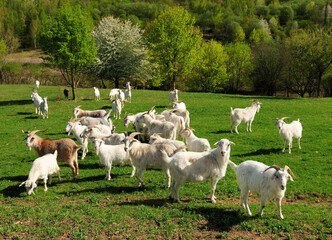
(231, 143)
(217, 143)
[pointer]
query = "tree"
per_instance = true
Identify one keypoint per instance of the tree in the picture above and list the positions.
(173, 41)
(311, 57)
(239, 65)
(268, 67)
(68, 43)
(121, 54)
(210, 72)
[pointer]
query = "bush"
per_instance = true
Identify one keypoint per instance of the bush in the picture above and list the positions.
(11, 72)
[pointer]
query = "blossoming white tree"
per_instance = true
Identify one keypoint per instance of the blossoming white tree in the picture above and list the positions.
(121, 52)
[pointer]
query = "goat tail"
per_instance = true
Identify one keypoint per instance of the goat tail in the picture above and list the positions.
(165, 157)
(233, 165)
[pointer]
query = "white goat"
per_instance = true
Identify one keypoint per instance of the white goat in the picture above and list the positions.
(179, 105)
(184, 114)
(96, 93)
(269, 182)
(109, 154)
(194, 143)
(178, 121)
(77, 129)
(196, 167)
(168, 129)
(44, 108)
(114, 93)
(37, 100)
(246, 115)
(289, 131)
(116, 108)
(42, 168)
(93, 131)
(85, 113)
(37, 84)
(156, 138)
(173, 96)
(146, 156)
(128, 92)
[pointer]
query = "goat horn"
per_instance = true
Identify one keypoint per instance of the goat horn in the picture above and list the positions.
(283, 118)
(34, 132)
(25, 131)
(287, 168)
(132, 135)
(276, 167)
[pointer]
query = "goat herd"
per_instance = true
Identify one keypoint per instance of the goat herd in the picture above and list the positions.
(163, 151)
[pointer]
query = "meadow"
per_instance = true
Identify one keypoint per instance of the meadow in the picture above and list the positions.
(92, 208)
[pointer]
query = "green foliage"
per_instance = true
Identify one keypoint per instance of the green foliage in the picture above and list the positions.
(210, 72)
(68, 44)
(286, 14)
(269, 64)
(3, 50)
(92, 208)
(311, 57)
(239, 66)
(122, 54)
(173, 41)
(258, 36)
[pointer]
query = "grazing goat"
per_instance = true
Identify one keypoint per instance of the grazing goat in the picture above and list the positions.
(93, 131)
(117, 108)
(42, 168)
(246, 115)
(77, 129)
(44, 108)
(37, 100)
(269, 182)
(114, 93)
(145, 156)
(289, 131)
(109, 154)
(156, 138)
(67, 149)
(96, 93)
(194, 143)
(37, 84)
(168, 129)
(173, 96)
(196, 167)
(85, 113)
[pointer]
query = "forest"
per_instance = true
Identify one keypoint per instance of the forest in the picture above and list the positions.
(266, 47)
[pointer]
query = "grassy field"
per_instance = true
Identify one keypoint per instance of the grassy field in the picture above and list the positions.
(91, 207)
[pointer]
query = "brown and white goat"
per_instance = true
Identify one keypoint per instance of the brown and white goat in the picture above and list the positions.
(67, 148)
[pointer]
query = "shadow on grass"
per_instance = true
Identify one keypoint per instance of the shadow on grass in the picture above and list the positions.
(15, 102)
(218, 218)
(25, 113)
(13, 191)
(110, 189)
(260, 152)
(20, 178)
(106, 107)
(83, 165)
(220, 132)
(162, 106)
(31, 117)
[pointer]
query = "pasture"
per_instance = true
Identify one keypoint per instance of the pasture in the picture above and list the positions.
(91, 207)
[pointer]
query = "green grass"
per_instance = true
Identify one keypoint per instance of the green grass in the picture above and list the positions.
(92, 207)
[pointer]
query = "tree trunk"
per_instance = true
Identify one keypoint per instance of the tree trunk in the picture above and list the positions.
(173, 83)
(73, 87)
(117, 84)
